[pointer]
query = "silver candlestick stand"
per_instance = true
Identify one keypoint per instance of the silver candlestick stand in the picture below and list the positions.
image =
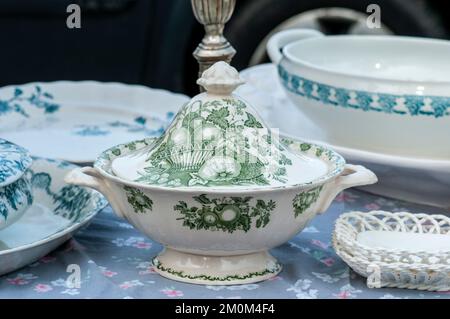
(213, 14)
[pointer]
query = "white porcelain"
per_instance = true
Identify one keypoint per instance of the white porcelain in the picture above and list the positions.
(206, 248)
(418, 180)
(396, 249)
(15, 187)
(59, 119)
(216, 204)
(387, 93)
(413, 242)
(52, 218)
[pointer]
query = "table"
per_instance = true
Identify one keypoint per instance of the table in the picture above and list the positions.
(114, 262)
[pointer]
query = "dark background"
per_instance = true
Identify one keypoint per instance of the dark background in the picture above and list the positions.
(150, 42)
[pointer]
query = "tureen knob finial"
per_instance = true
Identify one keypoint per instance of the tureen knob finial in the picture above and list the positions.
(220, 78)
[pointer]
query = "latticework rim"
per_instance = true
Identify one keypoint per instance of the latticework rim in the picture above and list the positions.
(349, 225)
(408, 276)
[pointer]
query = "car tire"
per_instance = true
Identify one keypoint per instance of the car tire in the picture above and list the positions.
(254, 20)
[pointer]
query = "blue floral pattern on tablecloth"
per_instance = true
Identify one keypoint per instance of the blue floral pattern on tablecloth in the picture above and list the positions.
(115, 262)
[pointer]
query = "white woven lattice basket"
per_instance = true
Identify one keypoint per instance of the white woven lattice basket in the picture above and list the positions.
(403, 268)
(349, 225)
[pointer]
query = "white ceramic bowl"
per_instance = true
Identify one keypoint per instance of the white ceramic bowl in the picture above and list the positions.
(417, 180)
(390, 94)
(217, 235)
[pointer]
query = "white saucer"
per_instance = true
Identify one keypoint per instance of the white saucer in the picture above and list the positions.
(74, 121)
(425, 181)
(58, 211)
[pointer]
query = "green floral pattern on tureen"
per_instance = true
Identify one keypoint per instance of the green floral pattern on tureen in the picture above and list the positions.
(215, 140)
(227, 214)
(205, 146)
(136, 198)
(304, 200)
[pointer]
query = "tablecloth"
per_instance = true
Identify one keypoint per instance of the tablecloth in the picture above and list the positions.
(114, 262)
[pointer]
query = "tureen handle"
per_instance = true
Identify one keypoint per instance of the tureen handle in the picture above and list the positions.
(353, 175)
(90, 177)
(282, 38)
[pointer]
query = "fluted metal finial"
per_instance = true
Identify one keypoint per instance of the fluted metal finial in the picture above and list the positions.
(213, 14)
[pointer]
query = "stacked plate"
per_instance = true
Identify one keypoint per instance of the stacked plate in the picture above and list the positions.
(57, 211)
(63, 122)
(401, 250)
(72, 121)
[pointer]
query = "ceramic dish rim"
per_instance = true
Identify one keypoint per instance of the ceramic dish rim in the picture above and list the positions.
(65, 231)
(91, 82)
(382, 158)
(339, 162)
(299, 62)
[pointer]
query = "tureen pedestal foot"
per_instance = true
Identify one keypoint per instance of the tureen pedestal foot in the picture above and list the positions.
(216, 270)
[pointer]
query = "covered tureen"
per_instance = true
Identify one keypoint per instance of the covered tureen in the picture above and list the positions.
(219, 189)
(15, 186)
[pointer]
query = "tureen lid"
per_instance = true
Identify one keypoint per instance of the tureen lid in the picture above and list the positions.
(14, 161)
(218, 140)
